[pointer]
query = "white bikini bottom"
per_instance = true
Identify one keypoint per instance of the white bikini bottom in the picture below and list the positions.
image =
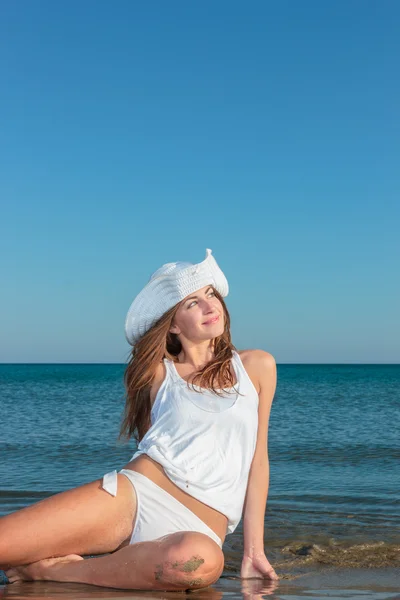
(158, 513)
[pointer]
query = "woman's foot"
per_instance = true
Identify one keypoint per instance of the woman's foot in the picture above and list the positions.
(40, 570)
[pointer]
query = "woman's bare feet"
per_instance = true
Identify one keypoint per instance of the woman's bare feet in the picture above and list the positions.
(40, 570)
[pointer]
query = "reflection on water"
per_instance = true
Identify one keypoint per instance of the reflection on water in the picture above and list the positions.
(228, 588)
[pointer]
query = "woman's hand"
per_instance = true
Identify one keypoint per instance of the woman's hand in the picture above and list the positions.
(257, 566)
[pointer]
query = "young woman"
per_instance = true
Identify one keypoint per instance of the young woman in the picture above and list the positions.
(199, 411)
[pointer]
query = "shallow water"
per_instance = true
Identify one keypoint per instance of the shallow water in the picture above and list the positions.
(335, 585)
(334, 453)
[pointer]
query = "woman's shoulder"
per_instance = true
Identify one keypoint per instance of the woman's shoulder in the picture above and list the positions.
(255, 355)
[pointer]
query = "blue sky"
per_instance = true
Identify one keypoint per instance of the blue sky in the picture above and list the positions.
(140, 133)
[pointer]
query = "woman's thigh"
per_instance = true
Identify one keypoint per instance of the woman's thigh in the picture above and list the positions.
(84, 520)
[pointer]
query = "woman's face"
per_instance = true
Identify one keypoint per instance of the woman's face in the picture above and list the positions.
(194, 313)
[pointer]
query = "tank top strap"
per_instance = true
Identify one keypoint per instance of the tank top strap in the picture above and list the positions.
(237, 367)
(170, 369)
(242, 373)
(160, 393)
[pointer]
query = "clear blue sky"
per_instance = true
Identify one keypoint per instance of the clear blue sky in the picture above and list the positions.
(139, 133)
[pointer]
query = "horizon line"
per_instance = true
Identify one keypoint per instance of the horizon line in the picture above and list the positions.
(278, 363)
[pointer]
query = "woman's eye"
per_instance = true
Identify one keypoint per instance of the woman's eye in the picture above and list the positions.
(195, 301)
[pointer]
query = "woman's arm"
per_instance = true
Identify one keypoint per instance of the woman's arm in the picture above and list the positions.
(255, 563)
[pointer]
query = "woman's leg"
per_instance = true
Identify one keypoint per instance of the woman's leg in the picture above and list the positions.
(177, 561)
(84, 520)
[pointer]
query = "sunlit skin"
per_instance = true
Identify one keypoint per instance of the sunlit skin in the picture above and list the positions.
(189, 324)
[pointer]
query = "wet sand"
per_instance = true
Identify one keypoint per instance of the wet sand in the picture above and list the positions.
(332, 583)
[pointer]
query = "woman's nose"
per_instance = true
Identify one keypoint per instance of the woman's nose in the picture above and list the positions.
(208, 306)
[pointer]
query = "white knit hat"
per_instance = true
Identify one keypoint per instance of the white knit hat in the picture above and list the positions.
(167, 286)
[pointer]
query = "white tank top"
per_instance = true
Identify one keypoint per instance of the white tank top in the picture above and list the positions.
(204, 442)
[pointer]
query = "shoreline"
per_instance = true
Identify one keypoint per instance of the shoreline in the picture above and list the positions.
(321, 582)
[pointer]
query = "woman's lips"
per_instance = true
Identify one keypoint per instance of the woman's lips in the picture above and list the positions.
(211, 321)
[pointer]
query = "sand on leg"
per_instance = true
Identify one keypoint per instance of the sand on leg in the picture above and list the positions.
(177, 561)
(84, 520)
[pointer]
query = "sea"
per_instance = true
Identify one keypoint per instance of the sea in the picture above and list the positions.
(333, 509)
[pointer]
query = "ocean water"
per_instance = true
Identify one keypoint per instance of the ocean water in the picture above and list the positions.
(334, 448)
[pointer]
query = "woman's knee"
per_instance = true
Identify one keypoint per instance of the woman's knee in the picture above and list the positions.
(193, 559)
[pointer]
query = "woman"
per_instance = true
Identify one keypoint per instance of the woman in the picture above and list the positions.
(200, 411)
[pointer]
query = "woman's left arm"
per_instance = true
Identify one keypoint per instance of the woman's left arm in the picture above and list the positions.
(255, 563)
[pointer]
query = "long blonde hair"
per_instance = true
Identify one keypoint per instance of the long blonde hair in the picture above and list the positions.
(157, 343)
